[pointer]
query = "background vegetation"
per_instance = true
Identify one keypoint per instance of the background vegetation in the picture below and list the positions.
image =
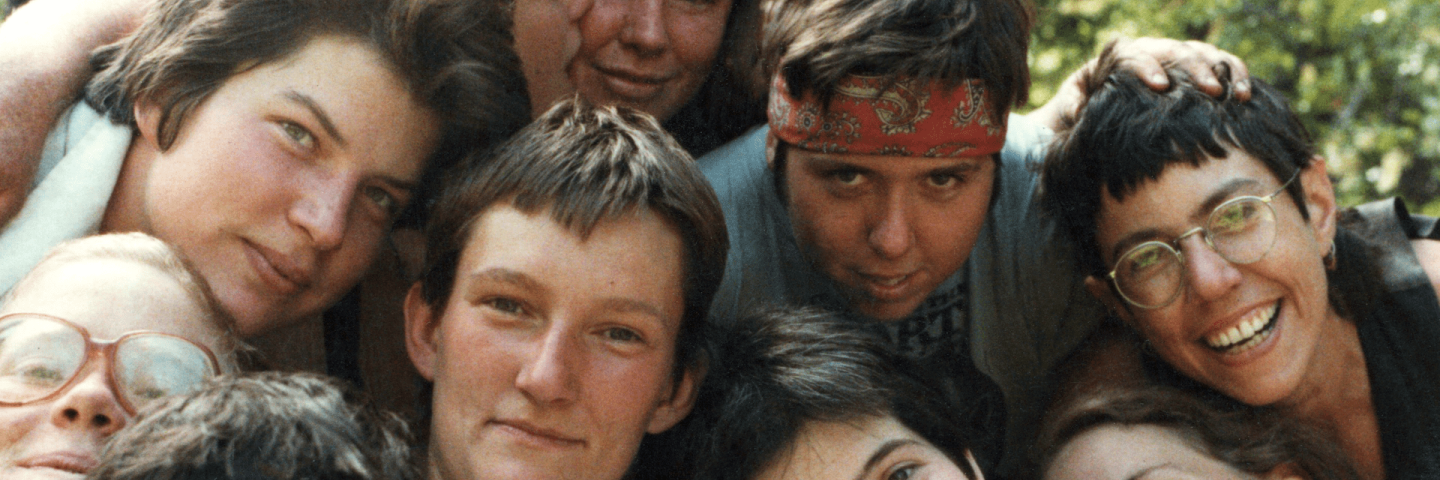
(1364, 75)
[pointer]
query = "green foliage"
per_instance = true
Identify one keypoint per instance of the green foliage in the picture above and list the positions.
(1364, 75)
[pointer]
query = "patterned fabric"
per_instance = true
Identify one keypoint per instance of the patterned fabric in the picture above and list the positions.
(875, 116)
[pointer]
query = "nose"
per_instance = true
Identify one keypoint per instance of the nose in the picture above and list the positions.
(890, 234)
(548, 377)
(323, 208)
(1211, 275)
(644, 29)
(91, 405)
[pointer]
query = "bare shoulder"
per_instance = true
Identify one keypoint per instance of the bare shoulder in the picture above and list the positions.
(1428, 251)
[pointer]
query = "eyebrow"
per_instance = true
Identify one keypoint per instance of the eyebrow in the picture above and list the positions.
(881, 453)
(626, 305)
(1217, 197)
(827, 163)
(507, 276)
(319, 113)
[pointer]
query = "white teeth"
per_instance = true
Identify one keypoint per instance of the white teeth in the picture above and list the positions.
(1250, 331)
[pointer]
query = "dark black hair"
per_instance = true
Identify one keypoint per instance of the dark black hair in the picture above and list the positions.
(776, 371)
(1126, 134)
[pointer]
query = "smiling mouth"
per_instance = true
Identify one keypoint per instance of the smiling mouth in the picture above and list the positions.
(65, 462)
(632, 86)
(1247, 334)
(539, 436)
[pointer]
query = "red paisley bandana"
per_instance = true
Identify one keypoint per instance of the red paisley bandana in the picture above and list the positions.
(909, 119)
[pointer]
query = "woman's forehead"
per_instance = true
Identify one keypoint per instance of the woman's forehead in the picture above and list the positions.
(110, 297)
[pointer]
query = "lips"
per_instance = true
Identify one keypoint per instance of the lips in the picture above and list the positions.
(538, 436)
(887, 286)
(73, 462)
(283, 272)
(633, 85)
(1249, 332)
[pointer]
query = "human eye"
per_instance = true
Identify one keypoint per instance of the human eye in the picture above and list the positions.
(902, 472)
(388, 204)
(621, 334)
(39, 372)
(1144, 261)
(1233, 218)
(845, 177)
(505, 305)
(944, 180)
(298, 134)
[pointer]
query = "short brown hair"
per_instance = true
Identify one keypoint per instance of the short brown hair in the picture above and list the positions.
(1255, 440)
(817, 43)
(454, 56)
(586, 164)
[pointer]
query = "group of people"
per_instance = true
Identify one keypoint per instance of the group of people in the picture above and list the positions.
(731, 239)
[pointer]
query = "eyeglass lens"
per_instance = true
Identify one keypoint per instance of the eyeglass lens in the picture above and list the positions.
(151, 367)
(36, 358)
(40, 356)
(1241, 231)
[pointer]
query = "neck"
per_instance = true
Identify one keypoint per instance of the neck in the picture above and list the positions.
(126, 209)
(1335, 397)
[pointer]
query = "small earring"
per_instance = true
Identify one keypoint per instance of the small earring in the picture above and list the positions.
(1330, 258)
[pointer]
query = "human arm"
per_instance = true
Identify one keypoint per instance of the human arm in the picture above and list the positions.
(44, 62)
(1147, 58)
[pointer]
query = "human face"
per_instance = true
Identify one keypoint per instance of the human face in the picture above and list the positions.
(282, 185)
(554, 354)
(1251, 330)
(1139, 452)
(60, 438)
(887, 230)
(651, 55)
(873, 448)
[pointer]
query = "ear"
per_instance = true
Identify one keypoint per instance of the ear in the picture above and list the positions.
(147, 122)
(1319, 200)
(1100, 289)
(681, 400)
(420, 326)
(771, 143)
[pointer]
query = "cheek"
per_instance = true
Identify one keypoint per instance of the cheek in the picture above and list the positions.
(696, 38)
(15, 424)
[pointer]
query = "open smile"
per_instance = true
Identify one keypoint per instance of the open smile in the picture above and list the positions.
(887, 287)
(1249, 333)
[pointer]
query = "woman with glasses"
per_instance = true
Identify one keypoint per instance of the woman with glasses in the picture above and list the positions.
(100, 328)
(1211, 228)
(802, 394)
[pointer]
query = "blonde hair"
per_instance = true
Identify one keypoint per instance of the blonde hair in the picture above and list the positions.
(154, 253)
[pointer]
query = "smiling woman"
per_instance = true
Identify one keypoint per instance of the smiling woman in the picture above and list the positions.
(1211, 228)
(102, 327)
(561, 314)
(277, 159)
(690, 63)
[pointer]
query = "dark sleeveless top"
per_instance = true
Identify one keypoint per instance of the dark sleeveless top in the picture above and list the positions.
(1395, 310)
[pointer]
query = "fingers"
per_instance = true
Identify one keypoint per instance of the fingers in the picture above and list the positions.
(1205, 63)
